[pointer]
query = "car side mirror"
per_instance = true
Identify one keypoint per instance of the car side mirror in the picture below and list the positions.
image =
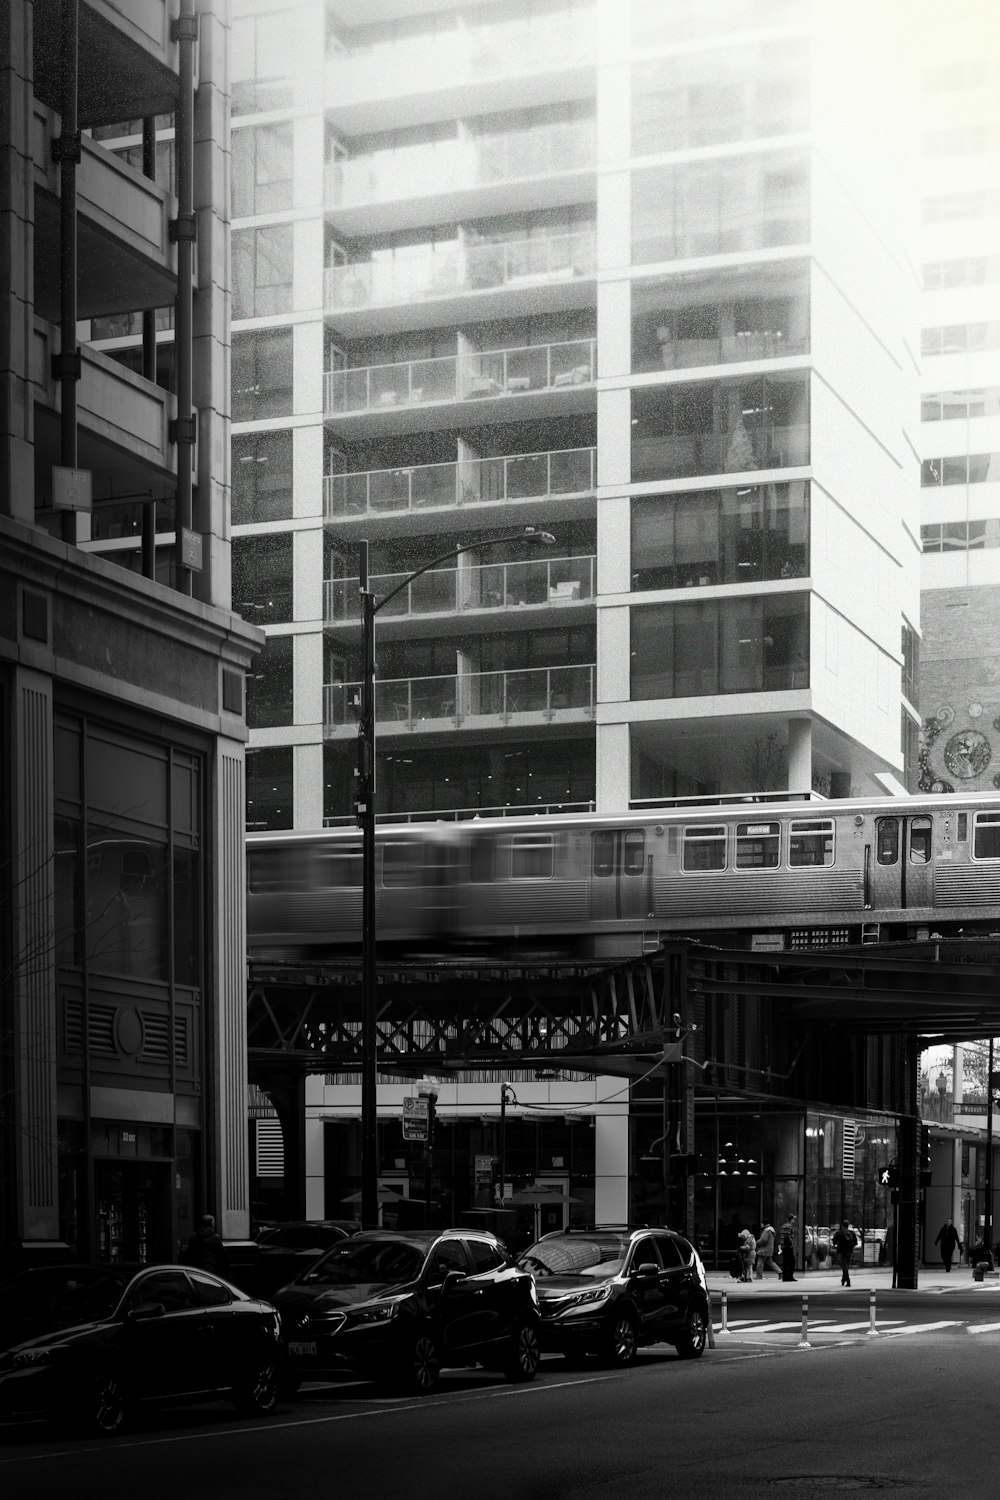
(143, 1310)
(452, 1279)
(648, 1268)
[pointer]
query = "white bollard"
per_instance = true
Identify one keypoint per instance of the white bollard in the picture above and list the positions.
(724, 1314)
(873, 1332)
(803, 1342)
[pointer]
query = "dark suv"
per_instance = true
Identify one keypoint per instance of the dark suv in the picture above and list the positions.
(396, 1307)
(605, 1291)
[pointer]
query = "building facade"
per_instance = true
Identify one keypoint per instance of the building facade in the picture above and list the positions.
(960, 400)
(122, 723)
(637, 273)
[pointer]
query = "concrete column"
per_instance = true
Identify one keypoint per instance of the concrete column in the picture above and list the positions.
(226, 1064)
(613, 768)
(799, 755)
(611, 1169)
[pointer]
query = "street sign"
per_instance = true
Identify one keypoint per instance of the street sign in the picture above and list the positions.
(484, 1170)
(415, 1116)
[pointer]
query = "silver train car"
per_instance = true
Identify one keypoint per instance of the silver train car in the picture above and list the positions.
(756, 873)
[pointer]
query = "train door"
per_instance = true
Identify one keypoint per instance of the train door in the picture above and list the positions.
(900, 869)
(619, 882)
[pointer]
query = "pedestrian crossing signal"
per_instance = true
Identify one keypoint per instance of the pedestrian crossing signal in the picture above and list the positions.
(889, 1176)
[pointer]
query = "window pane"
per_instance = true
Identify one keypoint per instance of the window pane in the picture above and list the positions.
(482, 860)
(704, 848)
(269, 690)
(887, 840)
(757, 846)
(402, 864)
(187, 916)
(269, 787)
(920, 841)
(126, 917)
(262, 374)
(531, 856)
(634, 854)
(262, 578)
(603, 854)
(262, 477)
(652, 652)
(811, 843)
(986, 836)
(713, 208)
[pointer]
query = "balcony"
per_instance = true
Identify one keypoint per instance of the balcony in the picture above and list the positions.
(396, 70)
(390, 190)
(684, 455)
(541, 583)
(389, 392)
(544, 274)
(471, 481)
(473, 700)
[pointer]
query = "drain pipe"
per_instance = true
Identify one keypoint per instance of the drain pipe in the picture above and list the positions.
(184, 30)
(66, 365)
(149, 313)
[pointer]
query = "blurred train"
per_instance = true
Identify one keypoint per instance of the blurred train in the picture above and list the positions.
(781, 874)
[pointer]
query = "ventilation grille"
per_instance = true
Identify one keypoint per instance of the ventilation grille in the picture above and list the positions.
(270, 1149)
(850, 1133)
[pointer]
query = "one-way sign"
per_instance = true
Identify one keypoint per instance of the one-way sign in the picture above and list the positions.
(415, 1115)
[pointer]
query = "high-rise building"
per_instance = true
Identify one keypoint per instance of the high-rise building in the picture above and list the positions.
(122, 724)
(959, 71)
(634, 271)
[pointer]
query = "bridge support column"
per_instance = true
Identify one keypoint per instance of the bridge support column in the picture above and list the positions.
(907, 1140)
(287, 1093)
(799, 755)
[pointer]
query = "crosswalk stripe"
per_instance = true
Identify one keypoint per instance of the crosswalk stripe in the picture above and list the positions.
(928, 1327)
(984, 1327)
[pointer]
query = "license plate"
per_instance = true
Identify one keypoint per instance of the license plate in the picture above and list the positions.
(301, 1350)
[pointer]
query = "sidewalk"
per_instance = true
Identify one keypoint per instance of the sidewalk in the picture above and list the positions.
(931, 1278)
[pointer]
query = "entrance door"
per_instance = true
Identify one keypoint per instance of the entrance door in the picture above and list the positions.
(133, 1211)
(901, 867)
(618, 887)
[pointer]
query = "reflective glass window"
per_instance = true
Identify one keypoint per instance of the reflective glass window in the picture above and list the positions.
(887, 840)
(986, 835)
(920, 841)
(531, 856)
(757, 846)
(704, 848)
(811, 843)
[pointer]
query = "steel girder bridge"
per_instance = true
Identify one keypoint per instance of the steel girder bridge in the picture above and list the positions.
(447, 1015)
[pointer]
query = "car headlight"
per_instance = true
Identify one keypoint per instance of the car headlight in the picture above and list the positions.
(379, 1312)
(29, 1357)
(589, 1297)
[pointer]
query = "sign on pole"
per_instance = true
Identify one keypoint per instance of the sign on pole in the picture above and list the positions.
(415, 1114)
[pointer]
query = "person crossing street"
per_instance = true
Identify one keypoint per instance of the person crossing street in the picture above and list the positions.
(845, 1243)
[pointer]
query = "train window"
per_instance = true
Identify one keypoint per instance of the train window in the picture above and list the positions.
(339, 865)
(887, 840)
(272, 870)
(705, 848)
(986, 835)
(920, 841)
(402, 863)
(811, 843)
(531, 856)
(483, 860)
(634, 852)
(757, 846)
(603, 846)
(962, 833)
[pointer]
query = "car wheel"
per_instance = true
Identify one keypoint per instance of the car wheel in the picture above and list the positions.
(258, 1395)
(622, 1342)
(96, 1407)
(525, 1354)
(692, 1343)
(424, 1365)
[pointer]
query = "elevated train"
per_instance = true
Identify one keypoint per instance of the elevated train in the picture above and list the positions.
(757, 874)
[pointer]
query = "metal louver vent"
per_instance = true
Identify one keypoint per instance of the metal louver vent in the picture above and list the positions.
(102, 1029)
(155, 1033)
(182, 1041)
(73, 1026)
(270, 1149)
(850, 1132)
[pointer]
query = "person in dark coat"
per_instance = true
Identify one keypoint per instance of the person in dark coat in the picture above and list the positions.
(787, 1243)
(947, 1238)
(206, 1250)
(845, 1243)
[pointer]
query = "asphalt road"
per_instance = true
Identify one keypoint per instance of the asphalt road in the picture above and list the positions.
(904, 1416)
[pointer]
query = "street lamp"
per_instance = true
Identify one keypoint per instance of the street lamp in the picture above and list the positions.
(365, 812)
(507, 1096)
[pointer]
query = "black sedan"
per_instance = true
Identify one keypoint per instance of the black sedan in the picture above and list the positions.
(606, 1291)
(396, 1307)
(174, 1332)
(44, 1298)
(286, 1250)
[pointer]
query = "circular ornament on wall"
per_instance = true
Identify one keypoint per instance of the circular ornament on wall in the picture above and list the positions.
(975, 710)
(945, 716)
(967, 754)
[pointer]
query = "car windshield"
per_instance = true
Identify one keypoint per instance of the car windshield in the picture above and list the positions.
(599, 1255)
(367, 1260)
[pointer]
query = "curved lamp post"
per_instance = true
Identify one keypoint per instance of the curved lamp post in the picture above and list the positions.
(364, 808)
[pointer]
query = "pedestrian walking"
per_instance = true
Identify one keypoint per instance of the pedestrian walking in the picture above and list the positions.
(206, 1250)
(765, 1252)
(748, 1249)
(845, 1242)
(787, 1242)
(947, 1238)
